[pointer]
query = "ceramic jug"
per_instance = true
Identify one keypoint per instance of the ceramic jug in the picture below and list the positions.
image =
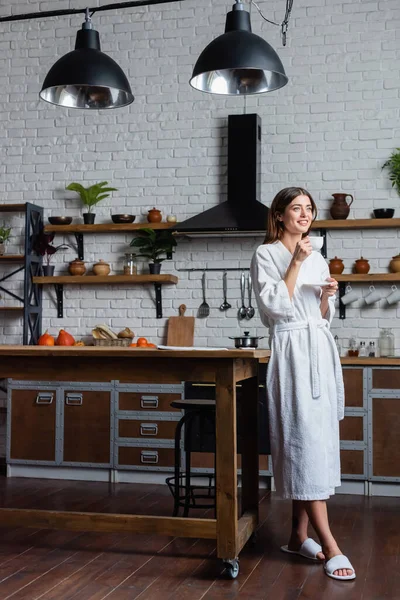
(340, 209)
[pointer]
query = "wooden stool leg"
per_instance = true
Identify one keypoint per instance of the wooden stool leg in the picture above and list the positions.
(249, 445)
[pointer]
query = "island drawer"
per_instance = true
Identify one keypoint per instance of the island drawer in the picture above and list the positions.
(155, 429)
(149, 402)
(145, 456)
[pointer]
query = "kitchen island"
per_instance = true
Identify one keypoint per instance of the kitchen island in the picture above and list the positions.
(132, 366)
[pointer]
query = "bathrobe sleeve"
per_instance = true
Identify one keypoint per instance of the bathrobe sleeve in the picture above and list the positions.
(331, 300)
(270, 290)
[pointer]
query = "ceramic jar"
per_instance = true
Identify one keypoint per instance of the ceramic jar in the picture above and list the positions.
(362, 266)
(171, 219)
(154, 216)
(101, 268)
(336, 266)
(394, 264)
(340, 209)
(77, 267)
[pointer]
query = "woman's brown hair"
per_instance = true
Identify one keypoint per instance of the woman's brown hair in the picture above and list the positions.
(279, 204)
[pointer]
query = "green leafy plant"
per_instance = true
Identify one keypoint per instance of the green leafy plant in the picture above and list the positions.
(93, 194)
(153, 244)
(393, 164)
(4, 234)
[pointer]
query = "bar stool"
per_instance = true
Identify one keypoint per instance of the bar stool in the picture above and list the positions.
(186, 494)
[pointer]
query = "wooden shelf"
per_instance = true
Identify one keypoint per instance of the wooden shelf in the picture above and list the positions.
(12, 258)
(355, 223)
(12, 207)
(368, 277)
(104, 227)
(12, 308)
(111, 279)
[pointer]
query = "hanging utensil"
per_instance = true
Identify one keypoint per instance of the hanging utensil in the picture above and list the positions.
(225, 305)
(250, 312)
(204, 309)
(242, 312)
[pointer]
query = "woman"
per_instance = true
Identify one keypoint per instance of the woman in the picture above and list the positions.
(304, 377)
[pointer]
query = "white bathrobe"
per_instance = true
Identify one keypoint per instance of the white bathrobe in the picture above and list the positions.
(304, 376)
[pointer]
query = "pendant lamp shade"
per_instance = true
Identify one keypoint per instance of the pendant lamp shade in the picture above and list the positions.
(238, 62)
(86, 77)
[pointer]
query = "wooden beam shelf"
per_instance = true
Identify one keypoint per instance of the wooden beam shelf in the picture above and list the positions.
(59, 280)
(368, 277)
(12, 258)
(12, 308)
(12, 207)
(355, 223)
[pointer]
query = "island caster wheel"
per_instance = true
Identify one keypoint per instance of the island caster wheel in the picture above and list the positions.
(232, 568)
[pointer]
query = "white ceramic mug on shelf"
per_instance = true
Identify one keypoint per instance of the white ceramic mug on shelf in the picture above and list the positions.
(350, 295)
(373, 296)
(394, 296)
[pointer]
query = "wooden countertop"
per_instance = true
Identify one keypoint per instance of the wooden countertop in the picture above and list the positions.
(103, 351)
(366, 362)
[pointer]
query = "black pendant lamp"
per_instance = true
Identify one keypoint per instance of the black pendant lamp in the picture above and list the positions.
(238, 62)
(85, 77)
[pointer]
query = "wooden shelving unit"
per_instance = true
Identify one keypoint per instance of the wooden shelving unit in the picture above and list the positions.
(355, 223)
(12, 308)
(12, 258)
(369, 277)
(60, 280)
(12, 207)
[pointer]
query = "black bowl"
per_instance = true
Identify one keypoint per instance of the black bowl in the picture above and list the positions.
(123, 218)
(383, 213)
(60, 220)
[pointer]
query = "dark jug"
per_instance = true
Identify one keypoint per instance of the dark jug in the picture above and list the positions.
(340, 209)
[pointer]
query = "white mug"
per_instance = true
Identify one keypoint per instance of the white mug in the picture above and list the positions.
(373, 295)
(394, 296)
(316, 242)
(349, 296)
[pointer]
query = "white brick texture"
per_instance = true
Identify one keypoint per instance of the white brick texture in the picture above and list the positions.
(330, 130)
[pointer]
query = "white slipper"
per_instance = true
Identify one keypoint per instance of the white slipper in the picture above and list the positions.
(309, 549)
(340, 561)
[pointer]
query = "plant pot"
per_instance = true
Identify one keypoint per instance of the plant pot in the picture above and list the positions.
(2, 248)
(88, 218)
(155, 268)
(48, 270)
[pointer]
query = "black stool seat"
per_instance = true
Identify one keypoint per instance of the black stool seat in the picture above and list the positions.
(187, 494)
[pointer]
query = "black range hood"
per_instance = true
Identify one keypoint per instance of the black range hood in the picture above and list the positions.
(242, 213)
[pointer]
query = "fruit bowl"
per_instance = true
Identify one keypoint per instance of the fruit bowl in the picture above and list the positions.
(123, 218)
(383, 213)
(60, 220)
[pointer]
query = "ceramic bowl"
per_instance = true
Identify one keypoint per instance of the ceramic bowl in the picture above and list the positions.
(383, 213)
(123, 218)
(60, 220)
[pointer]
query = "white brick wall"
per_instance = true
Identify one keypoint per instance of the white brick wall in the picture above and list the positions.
(329, 129)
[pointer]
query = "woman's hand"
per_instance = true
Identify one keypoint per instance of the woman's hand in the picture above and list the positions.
(302, 251)
(331, 289)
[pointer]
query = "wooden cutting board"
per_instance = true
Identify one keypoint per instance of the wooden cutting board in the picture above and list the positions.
(180, 329)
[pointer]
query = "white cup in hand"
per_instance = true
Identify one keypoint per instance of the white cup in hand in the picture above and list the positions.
(373, 296)
(316, 242)
(394, 296)
(350, 296)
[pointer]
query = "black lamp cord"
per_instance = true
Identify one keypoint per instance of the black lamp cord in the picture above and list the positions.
(285, 23)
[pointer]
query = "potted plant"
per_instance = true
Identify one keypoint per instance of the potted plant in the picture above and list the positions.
(4, 235)
(153, 244)
(91, 196)
(42, 245)
(393, 164)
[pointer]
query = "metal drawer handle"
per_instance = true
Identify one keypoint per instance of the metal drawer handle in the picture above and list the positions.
(149, 401)
(74, 399)
(44, 398)
(149, 457)
(148, 429)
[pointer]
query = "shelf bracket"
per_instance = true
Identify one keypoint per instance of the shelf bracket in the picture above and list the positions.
(324, 249)
(60, 299)
(157, 288)
(342, 307)
(79, 242)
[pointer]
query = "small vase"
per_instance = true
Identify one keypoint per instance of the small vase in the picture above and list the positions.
(340, 209)
(88, 218)
(2, 248)
(101, 268)
(154, 268)
(77, 267)
(362, 266)
(336, 266)
(154, 216)
(48, 270)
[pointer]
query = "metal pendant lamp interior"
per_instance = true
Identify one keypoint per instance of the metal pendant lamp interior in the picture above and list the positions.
(86, 77)
(238, 62)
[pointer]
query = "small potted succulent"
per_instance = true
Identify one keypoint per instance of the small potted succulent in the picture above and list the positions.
(91, 196)
(393, 164)
(4, 235)
(42, 245)
(153, 244)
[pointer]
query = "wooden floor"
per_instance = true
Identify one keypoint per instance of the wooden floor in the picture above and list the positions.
(60, 565)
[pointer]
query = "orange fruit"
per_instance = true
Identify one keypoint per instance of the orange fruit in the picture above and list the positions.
(133, 345)
(142, 342)
(151, 345)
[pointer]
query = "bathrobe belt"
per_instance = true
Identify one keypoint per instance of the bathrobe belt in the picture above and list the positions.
(313, 325)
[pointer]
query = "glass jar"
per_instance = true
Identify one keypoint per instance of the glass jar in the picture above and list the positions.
(353, 348)
(362, 350)
(371, 350)
(129, 264)
(338, 345)
(386, 343)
